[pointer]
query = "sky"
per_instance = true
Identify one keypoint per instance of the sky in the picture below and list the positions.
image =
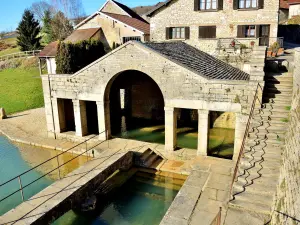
(11, 11)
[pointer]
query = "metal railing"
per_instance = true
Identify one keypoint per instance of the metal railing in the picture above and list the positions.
(256, 97)
(260, 41)
(19, 55)
(60, 176)
(218, 219)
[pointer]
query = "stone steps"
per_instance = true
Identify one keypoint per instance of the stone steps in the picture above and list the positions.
(254, 207)
(278, 84)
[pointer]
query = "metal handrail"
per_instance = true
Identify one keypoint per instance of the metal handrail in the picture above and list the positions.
(59, 166)
(218, 218)
(19, 54)
(245, 136)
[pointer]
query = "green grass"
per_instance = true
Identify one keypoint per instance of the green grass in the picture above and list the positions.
(288, 108)
(20, 89)
(285, 120)
(9, 51)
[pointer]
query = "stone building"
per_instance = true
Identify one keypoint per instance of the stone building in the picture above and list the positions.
(114, 24)
(206, 24)
(161, 78)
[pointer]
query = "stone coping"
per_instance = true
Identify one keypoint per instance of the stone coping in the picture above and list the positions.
(58, 198)
(182, 207)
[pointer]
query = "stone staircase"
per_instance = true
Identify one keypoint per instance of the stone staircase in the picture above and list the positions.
(258, 174)
(150, 159)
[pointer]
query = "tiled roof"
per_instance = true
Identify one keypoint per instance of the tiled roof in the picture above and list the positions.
(81, 35)
(294, 2)
(284, 4)
(129, 11)
(158, 7)
(133, 22)
(50, 50)
(198, 61)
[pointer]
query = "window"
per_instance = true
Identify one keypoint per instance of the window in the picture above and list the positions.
(177, 33)
(126, 39)
(208, 4)
(247, 4)
(247, 31)
(207, 32)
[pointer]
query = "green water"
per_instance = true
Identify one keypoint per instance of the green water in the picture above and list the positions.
(11, 165)
(220, 143)
(140, 201)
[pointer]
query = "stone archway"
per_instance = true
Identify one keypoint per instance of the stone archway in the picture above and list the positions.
(134, 107)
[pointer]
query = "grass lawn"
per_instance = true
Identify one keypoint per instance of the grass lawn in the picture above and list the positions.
(9, 51)
(20, 89)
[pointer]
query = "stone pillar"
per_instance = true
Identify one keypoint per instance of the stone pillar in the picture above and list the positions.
(80, 118)
(240, 127)
(103, 110)
(58, 115)
(203, 129)
(170, 128)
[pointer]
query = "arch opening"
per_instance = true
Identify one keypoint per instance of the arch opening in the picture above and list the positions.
(136, 106)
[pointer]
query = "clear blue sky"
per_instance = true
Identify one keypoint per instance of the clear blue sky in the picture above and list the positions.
(11, 11)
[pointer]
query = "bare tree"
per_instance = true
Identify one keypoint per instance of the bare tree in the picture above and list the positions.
(61, 26)
(40, 7)
(71, 8)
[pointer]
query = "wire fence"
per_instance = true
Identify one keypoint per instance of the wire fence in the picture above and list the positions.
(53, 167)
(19, 55)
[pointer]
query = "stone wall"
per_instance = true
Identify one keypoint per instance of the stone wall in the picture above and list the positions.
(181, 13)
(287, 205)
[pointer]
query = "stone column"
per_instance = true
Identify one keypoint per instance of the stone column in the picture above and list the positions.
(80, 118)
(170, 128)
(58, 115)
(240, 127)
(103, 110)
(203, 129)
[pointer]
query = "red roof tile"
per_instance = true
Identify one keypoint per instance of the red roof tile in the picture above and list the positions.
(284, 4)
(133, 22)
(50, 50)
(294, 2)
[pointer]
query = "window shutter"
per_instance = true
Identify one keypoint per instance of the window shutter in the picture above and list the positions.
(235, 4)
(260, 4)
(168, 30)
(213, 33)
(240, 31)
(202, 31)
(196, 5)
(220, 4)
(257, 31)
(187, 32)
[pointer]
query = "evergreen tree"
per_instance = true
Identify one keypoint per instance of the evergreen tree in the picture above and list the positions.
(47, 33)
(28, 31)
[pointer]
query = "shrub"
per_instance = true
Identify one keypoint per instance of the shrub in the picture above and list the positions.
(71, 58)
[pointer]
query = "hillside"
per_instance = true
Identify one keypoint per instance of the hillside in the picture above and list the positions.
(141, 10)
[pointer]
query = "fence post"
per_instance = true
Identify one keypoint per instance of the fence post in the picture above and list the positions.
(21, 188)
(58, 167)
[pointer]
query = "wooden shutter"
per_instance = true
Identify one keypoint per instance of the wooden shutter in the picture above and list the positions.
(187, 32)
(202, 32)
(207, 32)
(168, 32)
(213, 31)
(260, 4)
(196, 5)
(220, 4)
(241, 31)
(257, 31)
(236, 4)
